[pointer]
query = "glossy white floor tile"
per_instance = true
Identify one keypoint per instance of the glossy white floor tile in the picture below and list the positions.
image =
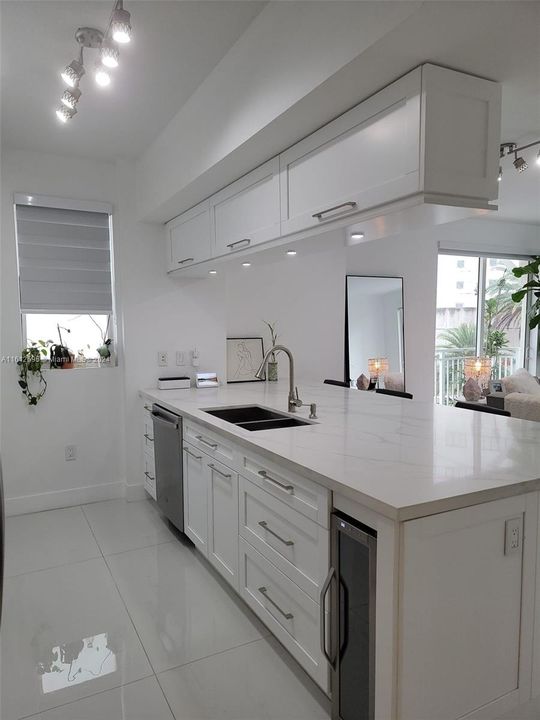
(141, 700)
(119, 525)
(48, 539)
(252, 682)
(65, 635)
(180, 609)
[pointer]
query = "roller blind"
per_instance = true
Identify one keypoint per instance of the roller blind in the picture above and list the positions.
(64, 260)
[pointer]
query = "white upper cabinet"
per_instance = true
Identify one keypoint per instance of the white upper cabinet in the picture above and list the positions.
(366, 157)
(247, 212)
(188, 238)
(433, 133)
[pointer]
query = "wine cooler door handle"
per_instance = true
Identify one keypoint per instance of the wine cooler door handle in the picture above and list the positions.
(324, 591)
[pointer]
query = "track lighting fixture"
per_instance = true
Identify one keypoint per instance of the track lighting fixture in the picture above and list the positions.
(74, 71)
(109, 54)
(101, 75)
(64, 113)
(120, 24)
(519, 162)
(118, 31)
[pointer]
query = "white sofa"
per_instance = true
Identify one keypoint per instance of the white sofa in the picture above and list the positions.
(522, 398)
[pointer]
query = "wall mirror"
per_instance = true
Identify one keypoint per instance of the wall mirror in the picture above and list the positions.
(374, 337)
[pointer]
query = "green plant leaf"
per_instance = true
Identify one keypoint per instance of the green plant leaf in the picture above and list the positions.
(23, 384)
(518, 296)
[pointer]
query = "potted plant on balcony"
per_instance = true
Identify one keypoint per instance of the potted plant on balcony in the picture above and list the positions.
(532, 271)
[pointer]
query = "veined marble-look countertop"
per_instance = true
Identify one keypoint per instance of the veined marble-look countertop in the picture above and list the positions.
(401, 458)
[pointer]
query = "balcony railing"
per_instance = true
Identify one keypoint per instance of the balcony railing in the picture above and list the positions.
(449, 371)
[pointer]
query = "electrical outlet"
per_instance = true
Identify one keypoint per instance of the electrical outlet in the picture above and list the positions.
(180, 358)
(162, 359)
(513, 535)
(71, 452)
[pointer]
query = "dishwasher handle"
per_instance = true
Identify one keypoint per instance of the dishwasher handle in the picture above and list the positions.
(164, 417)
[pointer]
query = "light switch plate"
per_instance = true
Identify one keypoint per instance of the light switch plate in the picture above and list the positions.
(513, 536)
(180, 358)
(162, 359)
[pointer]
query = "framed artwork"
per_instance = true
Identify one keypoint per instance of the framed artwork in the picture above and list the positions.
(244, 356)
(496, 388)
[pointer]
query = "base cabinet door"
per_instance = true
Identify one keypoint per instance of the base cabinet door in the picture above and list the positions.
(223, 520)
(196, 497)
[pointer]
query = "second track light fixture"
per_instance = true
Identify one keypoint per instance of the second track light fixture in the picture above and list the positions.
(118, 31)
(519, 162)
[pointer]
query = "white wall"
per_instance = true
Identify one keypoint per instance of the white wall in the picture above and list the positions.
(81, 407)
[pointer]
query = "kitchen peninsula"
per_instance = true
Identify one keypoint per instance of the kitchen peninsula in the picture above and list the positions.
(453, 497)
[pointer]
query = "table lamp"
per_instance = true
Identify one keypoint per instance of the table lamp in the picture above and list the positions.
(478, 368)
(377, 367)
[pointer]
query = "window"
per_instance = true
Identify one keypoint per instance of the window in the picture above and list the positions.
(65, 277)
(476, 316)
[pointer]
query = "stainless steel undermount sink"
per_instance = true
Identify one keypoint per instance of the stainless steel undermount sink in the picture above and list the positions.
(255, 417)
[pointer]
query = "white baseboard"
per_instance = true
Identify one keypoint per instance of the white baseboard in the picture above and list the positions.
(135, 492)
(64, 498)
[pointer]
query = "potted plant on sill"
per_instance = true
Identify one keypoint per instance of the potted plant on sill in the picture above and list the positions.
(104, 350)
(31, 379)
(61, 355)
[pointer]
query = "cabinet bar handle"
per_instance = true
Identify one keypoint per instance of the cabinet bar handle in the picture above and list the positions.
(185, 260)
(287, 488)
(219, 471)
(149, 476)
(319, 215)
(197, 457)
(206, 442)
(239, 242)
(147, 436)
(264, 592)
(264, 525)
(322, 623)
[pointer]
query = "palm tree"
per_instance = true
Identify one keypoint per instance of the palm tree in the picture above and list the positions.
(460, 340)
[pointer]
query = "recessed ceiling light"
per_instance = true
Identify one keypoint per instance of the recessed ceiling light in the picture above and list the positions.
(357, 236)
(212, 272)
(121, 24)
(291, 252)
(246, 264)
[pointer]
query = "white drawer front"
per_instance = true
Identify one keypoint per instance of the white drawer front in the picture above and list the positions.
(223, 520)
(297, 545)
(209, 442)
(150, 475)
(307, 497)
(289, 613)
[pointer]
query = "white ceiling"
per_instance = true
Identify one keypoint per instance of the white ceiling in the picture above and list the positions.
(175, 46)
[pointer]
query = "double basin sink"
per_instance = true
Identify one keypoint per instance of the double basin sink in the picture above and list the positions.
(255, 417)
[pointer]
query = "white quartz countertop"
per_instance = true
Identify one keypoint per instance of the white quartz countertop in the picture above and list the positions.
(401, 458)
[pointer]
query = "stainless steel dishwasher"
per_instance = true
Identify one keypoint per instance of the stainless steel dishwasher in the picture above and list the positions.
(168, 461)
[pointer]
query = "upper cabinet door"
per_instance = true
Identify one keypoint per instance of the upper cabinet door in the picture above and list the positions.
(247, 212)
(366, 157)
(188, 238)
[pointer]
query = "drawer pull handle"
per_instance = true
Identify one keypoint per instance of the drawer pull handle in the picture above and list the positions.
(147, 436)
(264, 525)
(149, 476)
(264, 593)
(197, 457)
(239, 242)
(287, 488)
(320, 215)
(206, 442)
(215, 469)
(185, 260)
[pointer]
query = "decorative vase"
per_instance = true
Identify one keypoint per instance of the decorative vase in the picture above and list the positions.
(272, 372)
